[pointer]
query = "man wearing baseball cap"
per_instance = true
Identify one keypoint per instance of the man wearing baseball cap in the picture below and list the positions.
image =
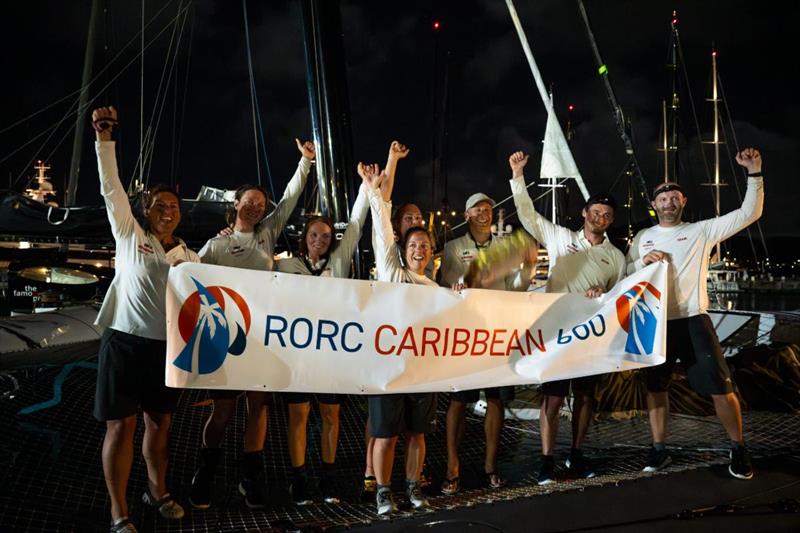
(691, 337)
(457, 255)
(585, 262)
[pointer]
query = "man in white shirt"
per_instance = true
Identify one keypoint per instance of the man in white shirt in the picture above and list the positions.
(582, 261)
(456, 258)
(690, 333)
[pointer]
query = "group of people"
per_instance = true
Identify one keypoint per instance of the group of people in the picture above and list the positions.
(133, 347)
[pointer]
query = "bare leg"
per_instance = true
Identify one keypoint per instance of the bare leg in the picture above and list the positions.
(221, 414)
(383, 459)
(256, 429)
(155, 449)
(493, 427)
(658, 411)
(455, 432)
(548, 422)
(330, 431)
(415, 455)
(729, 413)
(582, 411)
(117, 458)
(298, 422)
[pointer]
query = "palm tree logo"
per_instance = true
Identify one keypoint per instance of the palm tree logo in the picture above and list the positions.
(207, 330)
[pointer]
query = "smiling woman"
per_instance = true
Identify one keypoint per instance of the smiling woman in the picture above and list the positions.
(130, 369)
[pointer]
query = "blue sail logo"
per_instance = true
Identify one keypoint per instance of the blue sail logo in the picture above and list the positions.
(636, 316)
(208, 331)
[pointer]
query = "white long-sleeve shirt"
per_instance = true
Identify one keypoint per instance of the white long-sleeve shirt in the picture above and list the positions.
(460, 252)
(387, 260)
(575, 264)
(688, 246)
(338, 263)
(255, 250)
(136, 299)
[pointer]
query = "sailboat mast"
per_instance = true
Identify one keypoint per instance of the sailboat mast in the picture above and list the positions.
(715, 100)
(83, 104)
(664, 142)
(675, 102)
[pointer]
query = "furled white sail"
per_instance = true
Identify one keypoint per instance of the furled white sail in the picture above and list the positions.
(557, 160)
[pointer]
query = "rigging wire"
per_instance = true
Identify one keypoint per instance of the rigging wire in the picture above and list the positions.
(176, 171)
(161, 95)
(733, 171)
(252, 90)
(72, 108)
(95, 78)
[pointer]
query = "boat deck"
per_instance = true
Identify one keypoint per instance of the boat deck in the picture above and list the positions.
(53, 480)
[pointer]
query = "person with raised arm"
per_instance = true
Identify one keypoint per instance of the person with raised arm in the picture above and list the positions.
(250, 244)
(691, 337)
(320, 254)
(458, 254)
(132, 356)
(585, 262)
(393, 414)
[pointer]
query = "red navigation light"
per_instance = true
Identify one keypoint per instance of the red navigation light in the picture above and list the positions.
(714, 53)
(436, 24)
(571, 107)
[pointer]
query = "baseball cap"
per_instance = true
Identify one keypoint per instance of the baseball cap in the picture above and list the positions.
(477, 198)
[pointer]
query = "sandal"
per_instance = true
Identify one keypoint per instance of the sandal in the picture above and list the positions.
(167, 506)
(451, 486)
(123, 525)
(494, 481)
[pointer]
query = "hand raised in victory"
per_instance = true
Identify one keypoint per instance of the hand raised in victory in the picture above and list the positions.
(307, 149)
(398, 151)
(371, 175)
(750, 158)
(103, 121)
(517, 162)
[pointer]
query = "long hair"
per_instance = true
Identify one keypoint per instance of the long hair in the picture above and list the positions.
(303, 247)
(230, 214)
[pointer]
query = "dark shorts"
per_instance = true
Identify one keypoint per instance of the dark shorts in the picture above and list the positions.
(505, 394)
(224, 394)
(583, 386)
(693, 341)
(305, 397)
(130, 374)
(393, 414)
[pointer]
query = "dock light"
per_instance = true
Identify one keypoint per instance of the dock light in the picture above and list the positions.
(438, 213)
(452, 213)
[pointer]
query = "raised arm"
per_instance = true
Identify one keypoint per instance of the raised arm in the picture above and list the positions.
(118, 208)
(720, 228)
(538, 226)
(386, 259)
(277, 219)
(397, 152)
(347, 246)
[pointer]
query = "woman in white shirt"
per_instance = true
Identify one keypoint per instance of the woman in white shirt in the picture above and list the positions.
(392, 414)
(250, 244)
(320, 255)
(130, 371)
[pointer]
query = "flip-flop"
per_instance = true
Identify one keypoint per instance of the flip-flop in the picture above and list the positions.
(451, 486)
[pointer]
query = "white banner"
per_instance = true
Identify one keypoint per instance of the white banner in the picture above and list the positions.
(231, 328)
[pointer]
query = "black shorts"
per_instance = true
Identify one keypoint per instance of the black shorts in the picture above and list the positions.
(305, 397)
(694, 341)
(225, 394)
(583, 386)
(130, 374)
(393, 414)
(505, 394)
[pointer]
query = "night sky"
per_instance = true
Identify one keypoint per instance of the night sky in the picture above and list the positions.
(395, 64)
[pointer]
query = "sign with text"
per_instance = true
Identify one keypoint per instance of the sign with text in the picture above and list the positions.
(231, 328)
